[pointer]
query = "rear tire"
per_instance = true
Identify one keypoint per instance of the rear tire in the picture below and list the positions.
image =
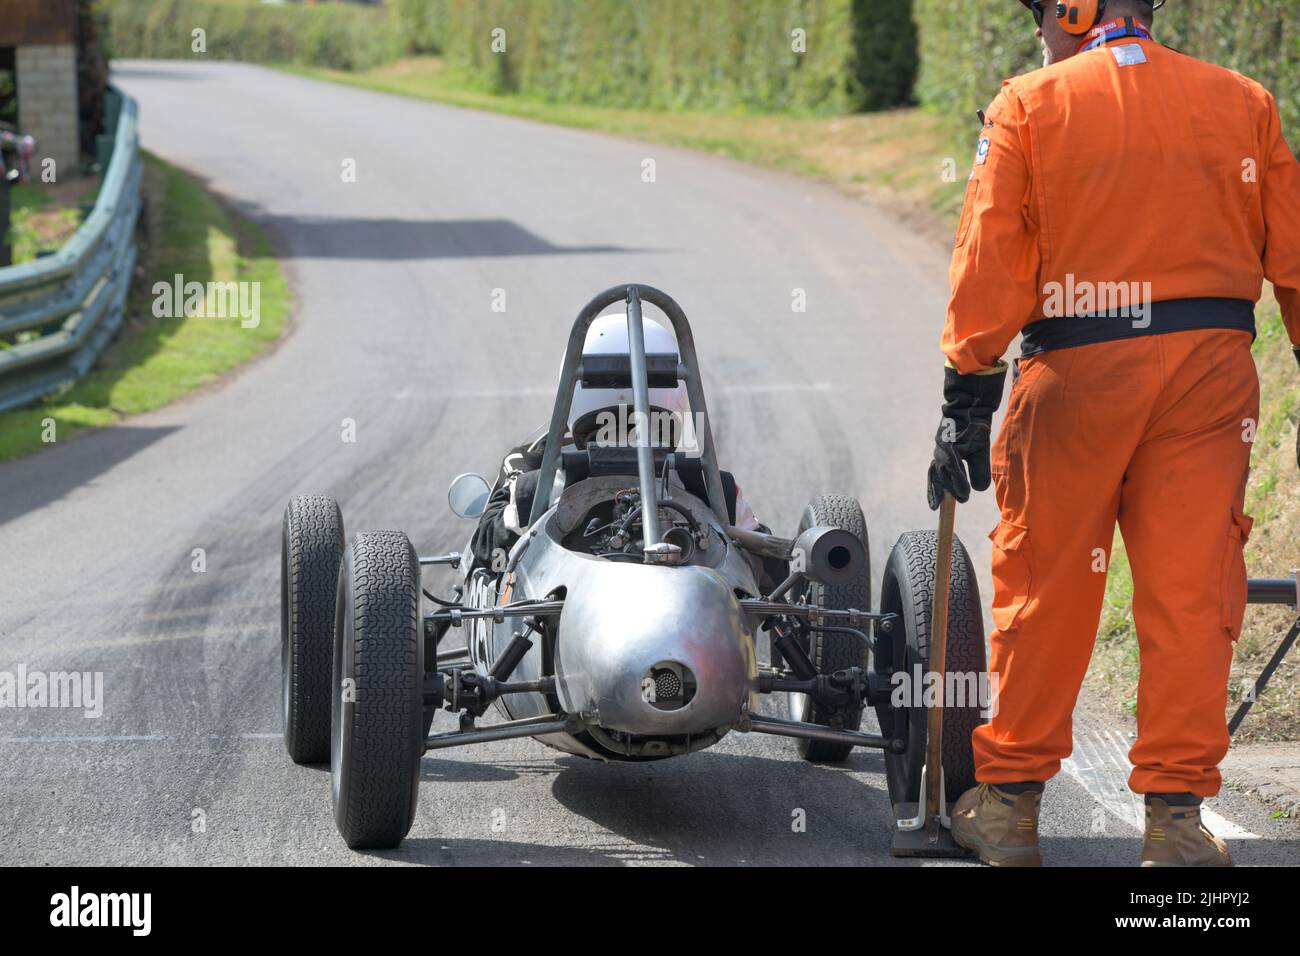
(832, 651)
(311, 550)
(907, 590)
(378, 692)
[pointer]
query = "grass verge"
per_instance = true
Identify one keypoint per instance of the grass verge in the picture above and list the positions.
(904, 160)
(153, 361)
(44, 217)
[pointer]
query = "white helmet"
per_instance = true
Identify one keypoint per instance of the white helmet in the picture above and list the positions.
(607, 335)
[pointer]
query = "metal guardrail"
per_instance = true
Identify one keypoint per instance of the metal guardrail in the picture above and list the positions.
(74, 298)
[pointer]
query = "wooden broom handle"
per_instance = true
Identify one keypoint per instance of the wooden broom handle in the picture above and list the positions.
(938, 660)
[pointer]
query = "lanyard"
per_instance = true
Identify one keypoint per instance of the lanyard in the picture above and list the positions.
(1113, 30)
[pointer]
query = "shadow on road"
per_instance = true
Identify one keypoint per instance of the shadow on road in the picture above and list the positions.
(717, 808)
(708, 809)
(158, 71)
(29, 484)
(387, 239)
(453, 852)
(437, 770)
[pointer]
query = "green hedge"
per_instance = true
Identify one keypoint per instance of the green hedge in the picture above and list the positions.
(340, 36)
(884, 54)
(965, 58)
(422, 23)
(667, 54)
(697, 54)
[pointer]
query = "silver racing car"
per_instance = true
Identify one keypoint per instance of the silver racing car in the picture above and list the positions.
(624, 621)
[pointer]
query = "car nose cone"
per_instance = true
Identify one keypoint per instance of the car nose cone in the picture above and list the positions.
(648, 650)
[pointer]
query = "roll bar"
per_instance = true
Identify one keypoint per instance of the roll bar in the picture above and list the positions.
(688, 371)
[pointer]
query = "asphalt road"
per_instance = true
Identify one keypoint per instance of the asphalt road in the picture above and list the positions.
(395, 277)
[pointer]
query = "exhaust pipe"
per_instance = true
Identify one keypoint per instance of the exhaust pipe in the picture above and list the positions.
(829, 556)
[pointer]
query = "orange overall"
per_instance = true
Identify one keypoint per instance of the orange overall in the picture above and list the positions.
(1124, 176)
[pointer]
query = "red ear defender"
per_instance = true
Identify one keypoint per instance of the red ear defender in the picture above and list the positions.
(1079, 16)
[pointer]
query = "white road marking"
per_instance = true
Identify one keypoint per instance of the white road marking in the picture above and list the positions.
(1100, 765)
(130, 738)
(776, 388)
(426, 393)
(1097, 764)
(769, 388)
(1223, 827)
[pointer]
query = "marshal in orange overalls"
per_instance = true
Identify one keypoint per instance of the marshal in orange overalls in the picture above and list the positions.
(1124, 176)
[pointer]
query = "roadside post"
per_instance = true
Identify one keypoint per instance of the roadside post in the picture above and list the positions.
(6, 251)
(15, 152)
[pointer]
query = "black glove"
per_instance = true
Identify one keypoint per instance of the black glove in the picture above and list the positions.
(965, 434)
(1296, 352)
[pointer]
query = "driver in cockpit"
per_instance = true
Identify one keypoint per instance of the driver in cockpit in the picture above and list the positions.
(601, 418)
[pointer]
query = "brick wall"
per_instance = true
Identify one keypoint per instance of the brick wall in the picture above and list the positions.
(47, 102)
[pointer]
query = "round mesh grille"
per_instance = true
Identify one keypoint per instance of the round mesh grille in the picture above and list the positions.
(667, 684)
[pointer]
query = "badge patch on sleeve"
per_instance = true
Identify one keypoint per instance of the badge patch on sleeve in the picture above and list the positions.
(982, 152)
(1130, 54)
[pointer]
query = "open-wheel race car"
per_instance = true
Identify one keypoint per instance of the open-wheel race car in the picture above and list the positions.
(624, 620)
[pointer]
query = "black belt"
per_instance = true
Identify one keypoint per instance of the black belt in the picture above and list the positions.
(1171, 315)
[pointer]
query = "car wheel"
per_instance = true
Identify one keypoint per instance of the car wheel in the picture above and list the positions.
(907, 590)
(378, 699)
(311, 550)
(832, 651)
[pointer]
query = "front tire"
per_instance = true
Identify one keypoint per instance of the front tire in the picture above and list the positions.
(829, 650)
(311, 551)
(378, 694)
(907, 590)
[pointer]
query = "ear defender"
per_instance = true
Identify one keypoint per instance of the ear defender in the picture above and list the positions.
(1079, 16)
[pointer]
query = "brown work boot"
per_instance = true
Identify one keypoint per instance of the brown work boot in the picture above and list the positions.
(1001, 827)
(1176, 837)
